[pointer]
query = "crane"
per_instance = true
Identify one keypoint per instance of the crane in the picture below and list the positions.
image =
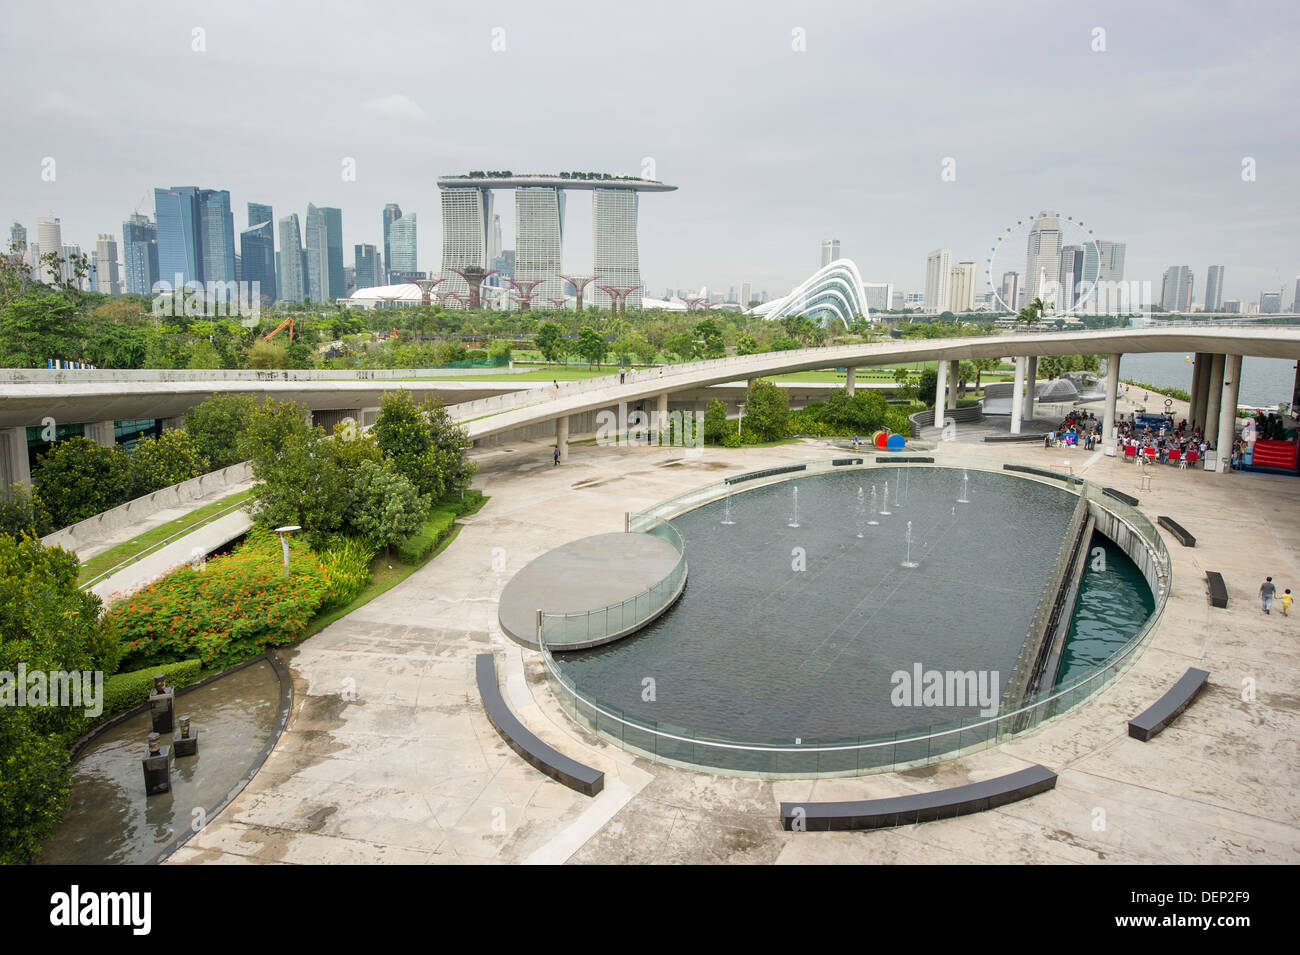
(288, 321)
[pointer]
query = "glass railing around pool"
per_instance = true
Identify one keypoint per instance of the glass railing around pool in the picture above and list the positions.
(868, 753)
(588, 628)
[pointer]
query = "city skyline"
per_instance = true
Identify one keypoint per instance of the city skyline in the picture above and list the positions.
(1149, 178)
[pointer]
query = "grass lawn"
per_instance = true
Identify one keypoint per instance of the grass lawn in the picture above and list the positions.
(137, 547)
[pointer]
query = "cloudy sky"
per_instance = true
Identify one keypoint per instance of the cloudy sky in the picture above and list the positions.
(781, 122)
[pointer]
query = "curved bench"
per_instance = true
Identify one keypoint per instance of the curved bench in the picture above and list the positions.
(1177, 530)
(1152, 721)
(1120, 496)
(918, 807)
(766, 472)
(1218, 589)
(548, 759)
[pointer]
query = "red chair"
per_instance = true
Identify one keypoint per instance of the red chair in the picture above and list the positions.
(1151, 453)
(1193, 457)
(1130, 451)
(1175, 454)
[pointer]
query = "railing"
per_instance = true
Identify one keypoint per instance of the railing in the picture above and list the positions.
(868, 753)
(589, 628)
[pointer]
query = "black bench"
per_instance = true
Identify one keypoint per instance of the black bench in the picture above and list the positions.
(1151, 721)
(1176, 529)
(886, 460)
(1218, 589)
(842, 462)
(549, 760)
(1120, 496)
(1043, 472)
(918, 807)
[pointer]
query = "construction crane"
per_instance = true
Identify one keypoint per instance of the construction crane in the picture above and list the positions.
(288, 321)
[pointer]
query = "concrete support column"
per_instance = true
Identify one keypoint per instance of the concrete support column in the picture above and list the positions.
(954, 376)
(851, 381)
(1198, 374)
(1227, 430)
(1202, 395)
(1215, 399)
(15, 466)
(101, 432)
(1108, 433)
(1031, 378)
(661, 418)
(1018, 396)
(940, 390)
(562, 437)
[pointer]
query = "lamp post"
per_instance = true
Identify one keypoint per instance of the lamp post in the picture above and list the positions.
(284, 542)
(740, 419)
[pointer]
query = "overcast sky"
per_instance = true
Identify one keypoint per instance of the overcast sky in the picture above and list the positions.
(773, 147)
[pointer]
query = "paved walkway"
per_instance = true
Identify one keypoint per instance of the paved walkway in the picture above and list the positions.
(132, 530)
(389, 758)
(183, 550)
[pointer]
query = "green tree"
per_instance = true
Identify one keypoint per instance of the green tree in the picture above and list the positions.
(77, 479)
(267, 355)
(163, 461)
(982, 366)
(592, 345)
(715, 421)
(767, 410)
(214, 426)
(22, 512)
(386, 509)
(424, 444)
(747, 344)
(709, 337)
(681, 344)
(550, 342)
(49, 625)
(860, 413)
(927, 385)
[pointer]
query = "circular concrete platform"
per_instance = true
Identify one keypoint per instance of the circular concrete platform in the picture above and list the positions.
(586, 574)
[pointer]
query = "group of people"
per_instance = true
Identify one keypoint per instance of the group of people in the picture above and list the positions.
(1078, 429)
(1267, 591)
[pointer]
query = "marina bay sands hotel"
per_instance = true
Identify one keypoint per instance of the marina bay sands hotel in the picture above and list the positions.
(467, 225)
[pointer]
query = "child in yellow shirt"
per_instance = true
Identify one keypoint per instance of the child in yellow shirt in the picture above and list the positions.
(1286, 602)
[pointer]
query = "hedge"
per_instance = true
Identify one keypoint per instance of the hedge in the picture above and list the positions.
(417, 546)
(126, 690)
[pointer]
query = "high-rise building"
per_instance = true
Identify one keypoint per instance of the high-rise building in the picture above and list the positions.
(938, 281)
(392, 212)
(539, 239)
(1270, 303)
(317, 267)
(616, 258)
(1176, 289)
(257, 251)
(292, 286)
(70, 254)
(367, 266)
(466, 220)
(898, 300)
(216, 236)
(176, 212)
(746, 295)
(1295, 302)
(1009, 292)
(1103, 270)
(333, 220)
(1043, 252)
(878, 295)
(401, 245)
(1069, 278)
(1213, 288)
(140, 254)
(830, 251)
(49, 233)
(107, 280)
(962, 286)
(17, 237)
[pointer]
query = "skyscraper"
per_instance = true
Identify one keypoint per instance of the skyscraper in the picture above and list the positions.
(466, 221)
(616, 258)
(392, 212)
(106, 274)
(1295, 302)
(140, 254)
(1176, 290)
(938, 281)
(1213, 288)
(539, 239)
(49, 233)
(402, 247)
(333, 221)
(1069, 278)
(216, 236)
(1042, 263)
(318, 268)
(962, 287)
(830, 251)
(17, 237)
(1009, 293)
(366, 266)
(1270, 303)
(176, 212)
(745, 294)
(257, 251)
(292, 287)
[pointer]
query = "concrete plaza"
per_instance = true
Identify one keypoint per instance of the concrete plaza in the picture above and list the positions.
(388, 757)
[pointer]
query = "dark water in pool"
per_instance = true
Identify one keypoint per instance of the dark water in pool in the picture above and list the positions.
(1114, 601)
(110, 821)
(761, 651)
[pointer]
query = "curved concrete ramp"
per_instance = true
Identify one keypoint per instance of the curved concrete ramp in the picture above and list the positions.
(586, 574)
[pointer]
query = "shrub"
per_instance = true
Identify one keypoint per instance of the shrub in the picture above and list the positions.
(214, 427)
(347, 570)
(386, 508)
(122, 691)
(715, 421)
(163, 461)
(767, 411)
(24, 511)
(235, 607)
(416, 547)
(78, 478)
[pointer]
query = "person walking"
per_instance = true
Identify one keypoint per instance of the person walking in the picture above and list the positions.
(622, 376)
(556, 455)
(555, 389)
(1266, 592)
(1286, 602)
